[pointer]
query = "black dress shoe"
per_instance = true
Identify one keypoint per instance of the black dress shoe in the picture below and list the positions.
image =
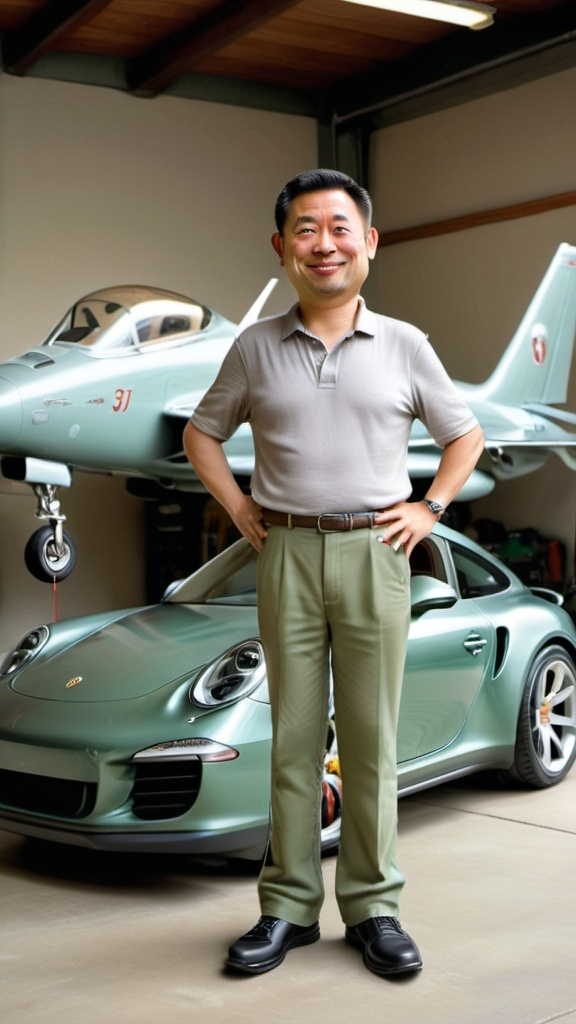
(266, 944)
(388, 949)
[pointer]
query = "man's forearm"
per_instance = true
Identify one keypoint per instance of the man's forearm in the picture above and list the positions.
(209, 461)
(457, 462)
(410, 521)
(207, 457)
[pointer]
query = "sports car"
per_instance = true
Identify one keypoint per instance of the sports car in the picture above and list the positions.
(149, 728)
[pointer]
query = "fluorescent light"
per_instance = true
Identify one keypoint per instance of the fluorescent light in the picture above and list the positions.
(457, 12)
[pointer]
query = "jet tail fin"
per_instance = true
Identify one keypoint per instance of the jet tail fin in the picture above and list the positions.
(536, 365)
(254, 311)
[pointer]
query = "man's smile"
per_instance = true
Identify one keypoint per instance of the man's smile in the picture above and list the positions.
(325, 268)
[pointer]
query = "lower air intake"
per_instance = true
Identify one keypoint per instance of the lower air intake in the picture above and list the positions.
(63, 798)
(165, 789)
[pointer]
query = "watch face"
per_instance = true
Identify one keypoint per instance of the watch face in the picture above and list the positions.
(434, 506)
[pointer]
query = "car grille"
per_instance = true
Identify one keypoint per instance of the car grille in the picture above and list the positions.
(165, 789)
(65, 798)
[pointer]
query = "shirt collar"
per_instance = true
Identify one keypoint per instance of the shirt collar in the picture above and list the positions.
(365, 322)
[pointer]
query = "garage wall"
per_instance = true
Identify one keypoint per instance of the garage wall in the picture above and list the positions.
(99, 188)
(468, 290)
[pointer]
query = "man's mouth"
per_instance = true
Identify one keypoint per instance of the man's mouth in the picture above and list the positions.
(325, 268)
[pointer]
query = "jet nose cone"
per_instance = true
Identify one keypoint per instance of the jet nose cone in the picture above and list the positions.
(10, 413)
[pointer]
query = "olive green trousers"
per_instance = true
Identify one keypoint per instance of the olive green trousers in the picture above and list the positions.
(339, 598)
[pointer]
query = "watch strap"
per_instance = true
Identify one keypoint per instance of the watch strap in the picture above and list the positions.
(435, 507)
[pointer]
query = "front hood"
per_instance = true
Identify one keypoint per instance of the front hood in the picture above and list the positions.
(137, 653)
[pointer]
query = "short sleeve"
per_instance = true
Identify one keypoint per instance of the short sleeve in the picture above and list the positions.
(438, 403)
(224, 406)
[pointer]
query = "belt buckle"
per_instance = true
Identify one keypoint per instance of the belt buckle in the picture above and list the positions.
(343, 516)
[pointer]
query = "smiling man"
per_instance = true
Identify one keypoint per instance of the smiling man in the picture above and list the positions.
(325, 246)
(331, 391)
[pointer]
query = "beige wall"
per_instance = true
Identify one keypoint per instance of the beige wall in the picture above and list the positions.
(468, 290)
(99, 188)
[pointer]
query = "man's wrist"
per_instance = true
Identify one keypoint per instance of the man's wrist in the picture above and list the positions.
(435, 507)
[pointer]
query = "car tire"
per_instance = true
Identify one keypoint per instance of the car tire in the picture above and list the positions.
(546, 737)
(42, 559)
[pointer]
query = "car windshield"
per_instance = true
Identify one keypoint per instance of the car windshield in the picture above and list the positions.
(229, 578)
(130, 318)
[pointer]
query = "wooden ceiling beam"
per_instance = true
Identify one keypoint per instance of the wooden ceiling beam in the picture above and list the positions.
(22, 47)
(162, 65)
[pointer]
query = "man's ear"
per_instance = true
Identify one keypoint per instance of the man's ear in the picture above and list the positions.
(372, 243)
(278, 246)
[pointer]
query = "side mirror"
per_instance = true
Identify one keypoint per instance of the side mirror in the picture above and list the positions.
(428, 594)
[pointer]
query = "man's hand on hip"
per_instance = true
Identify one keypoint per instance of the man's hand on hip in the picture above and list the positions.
(408, 522)
(247, 516)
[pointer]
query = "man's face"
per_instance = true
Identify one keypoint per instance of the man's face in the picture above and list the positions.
(325, 247)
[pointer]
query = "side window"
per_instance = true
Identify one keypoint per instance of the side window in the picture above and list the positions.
(426, 560)
(476, 577)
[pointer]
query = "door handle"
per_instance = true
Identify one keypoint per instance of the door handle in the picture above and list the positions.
(475, 644)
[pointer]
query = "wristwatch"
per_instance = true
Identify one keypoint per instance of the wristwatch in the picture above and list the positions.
(434, 506)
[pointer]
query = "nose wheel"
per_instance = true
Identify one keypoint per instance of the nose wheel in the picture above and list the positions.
(50, 554)
(48, 560)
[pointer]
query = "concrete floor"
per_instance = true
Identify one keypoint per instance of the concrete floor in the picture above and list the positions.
(490, 900)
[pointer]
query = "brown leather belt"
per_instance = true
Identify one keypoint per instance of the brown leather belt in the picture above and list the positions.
(327, 522)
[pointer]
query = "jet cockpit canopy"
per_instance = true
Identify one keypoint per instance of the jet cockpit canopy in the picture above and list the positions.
(112, 320)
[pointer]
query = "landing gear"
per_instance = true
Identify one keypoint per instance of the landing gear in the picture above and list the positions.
(50, 554)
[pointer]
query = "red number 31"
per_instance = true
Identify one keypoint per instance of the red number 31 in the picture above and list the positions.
(122, 397)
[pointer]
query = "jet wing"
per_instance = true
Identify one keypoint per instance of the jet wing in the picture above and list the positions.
(182, 409)
(239, 449)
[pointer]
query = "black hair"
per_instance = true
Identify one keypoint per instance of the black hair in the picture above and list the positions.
(322, 180)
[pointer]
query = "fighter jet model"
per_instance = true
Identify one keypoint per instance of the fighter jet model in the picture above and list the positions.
(113, 384)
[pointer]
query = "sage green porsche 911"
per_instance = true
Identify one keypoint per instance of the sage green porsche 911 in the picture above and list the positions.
(149, 728)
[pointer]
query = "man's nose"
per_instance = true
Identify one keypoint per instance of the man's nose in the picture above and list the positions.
(324, 242)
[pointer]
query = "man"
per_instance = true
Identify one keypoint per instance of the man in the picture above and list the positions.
(331, 390)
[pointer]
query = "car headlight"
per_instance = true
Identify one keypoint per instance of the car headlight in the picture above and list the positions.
(236, 674)
(27, 648)
(196, 748)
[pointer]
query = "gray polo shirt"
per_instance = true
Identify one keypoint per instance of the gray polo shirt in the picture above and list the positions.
(331, 429)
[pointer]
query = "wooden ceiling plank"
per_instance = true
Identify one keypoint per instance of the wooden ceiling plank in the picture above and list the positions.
(269, 43)
(310, 73)
(130, 28)
(350, 18)
(307, 82)
(160, 67)
(24, 46)
(316, 65)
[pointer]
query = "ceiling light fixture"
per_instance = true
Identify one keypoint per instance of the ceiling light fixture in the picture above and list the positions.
(457, 12)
